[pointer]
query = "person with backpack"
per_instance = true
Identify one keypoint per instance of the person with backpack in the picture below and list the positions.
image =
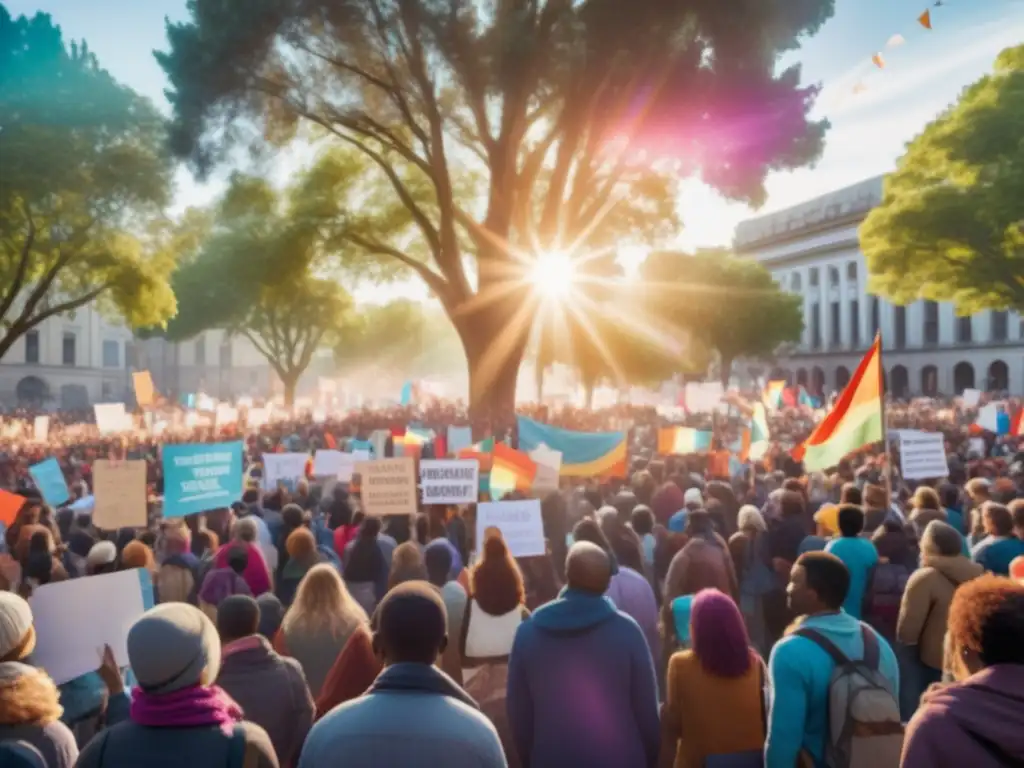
(834, 679)
(858, 555)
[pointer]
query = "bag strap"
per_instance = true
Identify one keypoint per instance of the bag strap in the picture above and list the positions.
(824, 643)
(760, 692)
(872, 654)
(236, 747)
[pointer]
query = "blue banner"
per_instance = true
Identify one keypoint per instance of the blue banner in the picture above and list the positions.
(201, 477)
(50, 481)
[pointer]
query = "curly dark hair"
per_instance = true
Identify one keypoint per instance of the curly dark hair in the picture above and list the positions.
(497, 584)
(987, 617)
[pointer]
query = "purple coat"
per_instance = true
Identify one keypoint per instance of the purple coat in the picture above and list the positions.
(633, 595)
(979, 722)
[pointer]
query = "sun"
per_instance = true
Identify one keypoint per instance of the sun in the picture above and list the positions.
(553, 274)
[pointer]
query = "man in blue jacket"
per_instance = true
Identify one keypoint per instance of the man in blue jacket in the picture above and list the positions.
(581, 681)
(800, 670)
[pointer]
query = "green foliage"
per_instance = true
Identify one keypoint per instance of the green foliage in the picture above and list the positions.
(723, 303)
(486, 127)
(247, 266)
(949, 225)
(84, 178)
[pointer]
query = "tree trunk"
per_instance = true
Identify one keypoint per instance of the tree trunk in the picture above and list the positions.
(289, 383)
(725, 367)
(494, 345)
(539, 374)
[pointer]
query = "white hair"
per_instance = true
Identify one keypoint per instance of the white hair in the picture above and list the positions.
(750, 517)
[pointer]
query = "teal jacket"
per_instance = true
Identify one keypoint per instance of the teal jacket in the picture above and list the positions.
(800, 673)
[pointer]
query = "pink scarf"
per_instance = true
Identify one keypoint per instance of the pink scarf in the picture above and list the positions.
(188, 708)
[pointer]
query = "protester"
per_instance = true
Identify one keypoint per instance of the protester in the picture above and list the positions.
(30, 707)
(802, 663)
(979, 720)
(406, 565)
(999, 546)
(220, 583)
(748, 548)
(270, 688)
(178, 716)
(366, 566)
(413, 715)
(581, 687)
(715, 698)
(179, 569)
(245, 535)
(302, 556)
(858, 555)
(438, 562)
(318, 624)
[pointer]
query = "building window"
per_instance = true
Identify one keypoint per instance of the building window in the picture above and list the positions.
(111, 354)
(876, 316)
(225, 354)
(851, 272)
(833, 277)
(812, 279)
(1000, 325)
(815, 326)
(900, 326)
(32, 347)
(795, 283)
(131, 355)
(836, 331)
(854, 322)
(964, 330)
(931, 322)
(68, 349)
(201, 351)
(106, 390)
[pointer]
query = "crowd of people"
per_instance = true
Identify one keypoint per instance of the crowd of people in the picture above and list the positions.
(680, 617)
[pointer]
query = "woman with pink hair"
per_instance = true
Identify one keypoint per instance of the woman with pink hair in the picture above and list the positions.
(714, 701)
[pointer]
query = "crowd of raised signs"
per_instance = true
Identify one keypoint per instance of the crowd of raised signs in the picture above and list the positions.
(404, 586)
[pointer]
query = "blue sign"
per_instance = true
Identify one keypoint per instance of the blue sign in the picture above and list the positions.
(361, 445)
(50, 481)
(201, 477)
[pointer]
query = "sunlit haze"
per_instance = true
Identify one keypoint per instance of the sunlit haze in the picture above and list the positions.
(873, 112)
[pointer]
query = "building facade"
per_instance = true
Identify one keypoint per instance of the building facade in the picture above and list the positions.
(812, 250)
(79, 359)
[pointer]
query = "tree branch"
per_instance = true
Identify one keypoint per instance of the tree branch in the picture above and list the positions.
(18, 283)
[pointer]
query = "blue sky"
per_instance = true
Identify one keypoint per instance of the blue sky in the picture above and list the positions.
(869, 130)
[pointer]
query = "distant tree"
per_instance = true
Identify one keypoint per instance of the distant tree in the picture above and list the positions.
(949, 225)
(243, 273)
(528, 100)
(391, 334)
(83, 178)
(729, 305)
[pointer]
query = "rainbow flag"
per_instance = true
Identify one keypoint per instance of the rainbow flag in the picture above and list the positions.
(759, 435)
(682, 440)
(772, 394)
(854, 421)
(511, 470)
(482, 452)
(584, 454)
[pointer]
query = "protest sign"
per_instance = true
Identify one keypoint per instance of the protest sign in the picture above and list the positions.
(923, 455)
(337, 464)
(519, 522)
(75, 618)
(976, 446)
(703, 396)
(144, 389)
(449, 481)
(225, 414)
(549, 464)
(379, 441)
(286, 468)
(49, 479)
(258, 417)
(971, 398)
(201, 476)
(358, 447)
(41, 429)
(119, 488)
(459, 438)
(388, 486)
(10, 506)
(112, 418)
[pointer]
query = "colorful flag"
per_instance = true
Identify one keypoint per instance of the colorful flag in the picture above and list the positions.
(878, 61)
(584, 454)
(925, 19)
(806, 398)
(759, 435)
(511, 470)
(854, 421)
(682, 440)
(483, 452)
(772, 395)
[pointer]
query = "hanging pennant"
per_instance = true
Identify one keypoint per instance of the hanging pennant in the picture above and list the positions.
(925, 19)
(896, 40)
(878, 61)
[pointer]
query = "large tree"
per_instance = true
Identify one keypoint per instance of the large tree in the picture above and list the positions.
(949, 225)
(84, 174)
(533, 99)
(727, 304)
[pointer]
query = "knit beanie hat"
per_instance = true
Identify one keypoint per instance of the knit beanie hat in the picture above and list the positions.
(173, 646)
(101, 553)
(17, 637)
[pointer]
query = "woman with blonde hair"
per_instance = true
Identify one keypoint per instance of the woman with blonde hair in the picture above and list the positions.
(318, 624)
